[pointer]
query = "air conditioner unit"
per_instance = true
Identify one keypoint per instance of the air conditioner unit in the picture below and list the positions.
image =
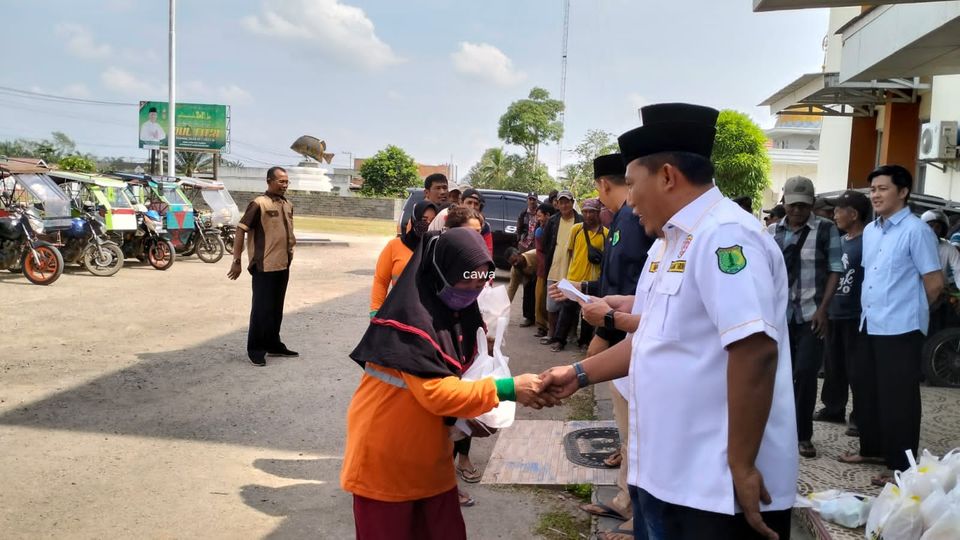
(938, 141)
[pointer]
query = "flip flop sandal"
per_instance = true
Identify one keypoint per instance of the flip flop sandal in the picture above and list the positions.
(614, 460)
(557, 347)
(468, 502)
(881, 481)
(547, 340)
(469, 475)
(616, 534)
(856, 459)
(604, 511)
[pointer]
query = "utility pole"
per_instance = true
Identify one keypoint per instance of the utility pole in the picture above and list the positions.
(172, 103)
(563, 82)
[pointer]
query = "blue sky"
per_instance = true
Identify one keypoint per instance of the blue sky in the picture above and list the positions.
(431, 76)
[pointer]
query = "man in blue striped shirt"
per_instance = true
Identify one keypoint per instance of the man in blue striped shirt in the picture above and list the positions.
(811, 251)
(902, 277)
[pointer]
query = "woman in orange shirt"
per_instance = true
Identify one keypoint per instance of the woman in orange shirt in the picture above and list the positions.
(395, 255)
(397, 460)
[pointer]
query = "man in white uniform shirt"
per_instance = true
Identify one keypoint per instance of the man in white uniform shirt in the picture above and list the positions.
(150, 131)
(713, 441)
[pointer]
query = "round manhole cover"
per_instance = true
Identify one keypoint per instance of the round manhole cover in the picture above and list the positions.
(589, 447)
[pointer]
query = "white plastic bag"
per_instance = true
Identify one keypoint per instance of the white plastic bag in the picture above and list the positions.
(946, 528)
(494, 305)
(921, 478)
(905, 522)
(496, 366)
(888, 500)
(935, 505)
(846, 509)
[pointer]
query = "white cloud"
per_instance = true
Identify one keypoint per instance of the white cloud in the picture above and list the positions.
(394, 95)
(80, 42)
(340, 32)
(127, 83)
(198, 91)
(234, 95)
(486, 62)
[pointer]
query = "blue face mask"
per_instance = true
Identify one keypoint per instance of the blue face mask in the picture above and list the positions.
(454, 298)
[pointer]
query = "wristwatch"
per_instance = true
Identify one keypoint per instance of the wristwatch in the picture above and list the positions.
(609, 322)
(582, 380)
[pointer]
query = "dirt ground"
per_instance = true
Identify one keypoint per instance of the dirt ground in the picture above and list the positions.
(128, 408)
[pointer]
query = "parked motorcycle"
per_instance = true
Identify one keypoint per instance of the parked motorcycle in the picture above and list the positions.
(87, 244)
(21, 250)
(205, 241)
(228, 233)
(150, 242)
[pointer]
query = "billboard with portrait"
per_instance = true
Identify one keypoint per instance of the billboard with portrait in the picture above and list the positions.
(199, 126)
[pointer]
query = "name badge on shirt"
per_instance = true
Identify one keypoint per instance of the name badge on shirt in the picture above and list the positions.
(677, 266)
(654, 266)
(273, 213)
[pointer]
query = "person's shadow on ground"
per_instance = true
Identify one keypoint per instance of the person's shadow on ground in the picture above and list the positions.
(305, 506)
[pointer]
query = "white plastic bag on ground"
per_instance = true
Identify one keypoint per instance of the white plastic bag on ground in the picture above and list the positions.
(494, 305)
(846, 509)
(935, 505)
(946, 528)
(905, 522)
(496, 366)
(921, 478)
(888, 500)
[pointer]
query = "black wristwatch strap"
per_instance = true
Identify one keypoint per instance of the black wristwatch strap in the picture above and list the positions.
(609, 320)
(582, 379)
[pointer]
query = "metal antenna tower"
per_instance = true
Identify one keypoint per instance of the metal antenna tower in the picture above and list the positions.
(563, 81)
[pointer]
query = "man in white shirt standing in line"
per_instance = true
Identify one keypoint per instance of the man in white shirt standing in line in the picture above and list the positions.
(713, 441)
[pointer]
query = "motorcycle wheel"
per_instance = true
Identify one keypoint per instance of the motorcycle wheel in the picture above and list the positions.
(47, 269)
(941, 358)
(161, 254)
(104, 262)
(228, 240)
(210, 248)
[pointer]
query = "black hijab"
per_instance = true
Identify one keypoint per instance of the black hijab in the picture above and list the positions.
(412, 237)
(414, 331)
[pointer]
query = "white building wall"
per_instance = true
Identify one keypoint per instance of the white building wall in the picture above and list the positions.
(255, 179)
(836, 131)
(944, 105)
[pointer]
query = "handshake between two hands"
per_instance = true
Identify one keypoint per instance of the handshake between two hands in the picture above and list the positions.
(547, 388)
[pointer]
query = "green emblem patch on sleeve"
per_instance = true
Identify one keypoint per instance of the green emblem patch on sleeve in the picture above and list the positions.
(731, 259)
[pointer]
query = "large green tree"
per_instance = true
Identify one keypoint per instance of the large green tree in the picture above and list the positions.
(77, 163)
(530, 122)
(389, 173)
(740, 157)
(579, 175)
(498, 169)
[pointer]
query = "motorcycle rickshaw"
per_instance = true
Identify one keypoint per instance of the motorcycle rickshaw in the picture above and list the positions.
(21, 223)
(207, 242)
(108, 195)
(163, 195)
(33, 187)
(100, 207)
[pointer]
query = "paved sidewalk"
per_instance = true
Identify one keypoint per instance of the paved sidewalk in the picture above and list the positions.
(939, 433)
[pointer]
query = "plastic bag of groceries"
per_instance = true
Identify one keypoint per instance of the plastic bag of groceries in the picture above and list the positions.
(946, 528)
(888, 501)
(494, 305)
(934, 506)
(923, 477)
(905, 521)
(494, 365)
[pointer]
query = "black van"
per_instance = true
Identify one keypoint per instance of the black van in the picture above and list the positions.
(501, 210)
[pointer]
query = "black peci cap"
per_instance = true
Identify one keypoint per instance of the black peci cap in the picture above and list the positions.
(671, 127)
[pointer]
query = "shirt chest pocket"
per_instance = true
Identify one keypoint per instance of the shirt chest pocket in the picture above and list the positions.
(664, 314)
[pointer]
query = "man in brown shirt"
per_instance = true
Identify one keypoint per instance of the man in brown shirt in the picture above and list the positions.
(269, 222)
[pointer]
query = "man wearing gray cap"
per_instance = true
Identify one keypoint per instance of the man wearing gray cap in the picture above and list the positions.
(811, 251)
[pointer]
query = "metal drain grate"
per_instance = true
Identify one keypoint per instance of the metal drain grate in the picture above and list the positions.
(589, 447)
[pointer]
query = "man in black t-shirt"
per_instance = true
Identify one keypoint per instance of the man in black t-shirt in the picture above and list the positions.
(852, 213)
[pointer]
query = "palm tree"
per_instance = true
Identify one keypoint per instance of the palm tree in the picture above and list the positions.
(189, 163)
(495, 168)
